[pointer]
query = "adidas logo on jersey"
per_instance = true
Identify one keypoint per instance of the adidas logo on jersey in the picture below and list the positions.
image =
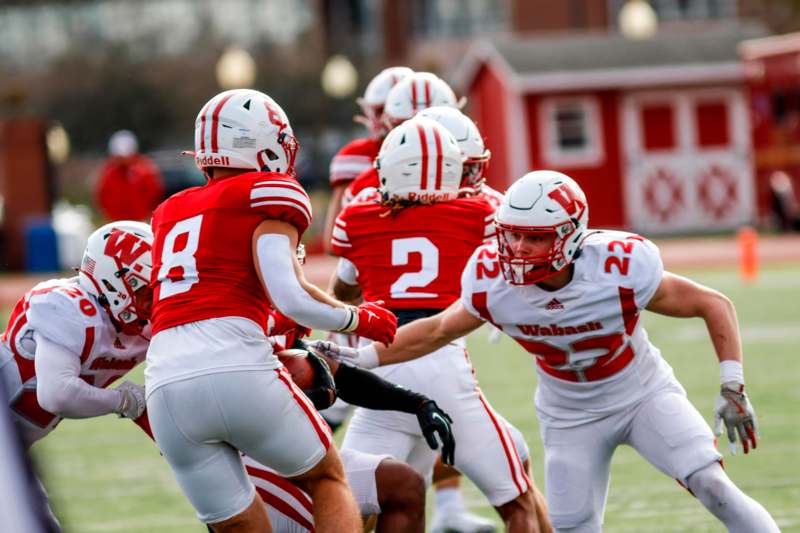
(554, 305)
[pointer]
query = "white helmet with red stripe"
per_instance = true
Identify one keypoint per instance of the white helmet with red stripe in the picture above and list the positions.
(116, 269)
(419, 162)
(375, 97)
(246, 129)
(466, 134)
(544, 205)
(414, 93)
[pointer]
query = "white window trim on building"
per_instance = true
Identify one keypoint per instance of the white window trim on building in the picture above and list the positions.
(552, 154)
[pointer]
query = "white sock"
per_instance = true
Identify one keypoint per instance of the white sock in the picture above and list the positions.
(449, 500)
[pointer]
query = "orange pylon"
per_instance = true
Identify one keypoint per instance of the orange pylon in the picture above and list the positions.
(748, 254)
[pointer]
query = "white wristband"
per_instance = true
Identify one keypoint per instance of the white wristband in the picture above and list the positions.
(351, 320)
(730, 370)
(368, 356)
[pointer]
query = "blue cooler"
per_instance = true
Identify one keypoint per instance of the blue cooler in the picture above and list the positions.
(41, 246)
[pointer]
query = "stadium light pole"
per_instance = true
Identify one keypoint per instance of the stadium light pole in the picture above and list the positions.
(236, 69)
(339, 77)
(637, 20)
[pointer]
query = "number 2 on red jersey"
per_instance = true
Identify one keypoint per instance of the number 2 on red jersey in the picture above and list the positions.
(178, 270)
(429, 270)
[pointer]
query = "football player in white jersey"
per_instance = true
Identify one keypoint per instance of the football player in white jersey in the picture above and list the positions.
(68, 339)
(573, 297)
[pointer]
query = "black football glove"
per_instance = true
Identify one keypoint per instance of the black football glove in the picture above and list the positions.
(324, 392)
(435, 422)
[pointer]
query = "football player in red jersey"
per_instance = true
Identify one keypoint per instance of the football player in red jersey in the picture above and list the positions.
(223, 254)
(407, 242)
(358, 155)
(572, 297)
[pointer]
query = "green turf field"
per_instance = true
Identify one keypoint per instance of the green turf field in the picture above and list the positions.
(105, 475)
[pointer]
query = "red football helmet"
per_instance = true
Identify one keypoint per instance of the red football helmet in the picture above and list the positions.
(541, 205)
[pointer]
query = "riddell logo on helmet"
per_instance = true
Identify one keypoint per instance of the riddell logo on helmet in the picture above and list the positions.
(212, 161)
(430, 197)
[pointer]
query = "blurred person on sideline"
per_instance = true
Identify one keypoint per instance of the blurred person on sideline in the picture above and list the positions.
(784, 201)
(130, 185)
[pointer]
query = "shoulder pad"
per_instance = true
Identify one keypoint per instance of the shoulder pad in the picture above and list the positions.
(63, 315)
(278, 197)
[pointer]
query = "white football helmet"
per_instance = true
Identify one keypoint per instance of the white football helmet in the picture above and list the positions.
(419, 162)
(375, 97)
(246, 129)
(466, 134)
(541, 204)
(116, 269)
(414, 93)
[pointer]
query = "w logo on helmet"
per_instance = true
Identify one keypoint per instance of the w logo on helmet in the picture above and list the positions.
(125, 246)
(567, 198)
(273, 115)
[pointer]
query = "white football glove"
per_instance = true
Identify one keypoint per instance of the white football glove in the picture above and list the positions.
(364, 357)
(733, 408)
(132, 403)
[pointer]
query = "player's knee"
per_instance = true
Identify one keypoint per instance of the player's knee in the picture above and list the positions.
(575, 522)
(712, 486)
(399, 486)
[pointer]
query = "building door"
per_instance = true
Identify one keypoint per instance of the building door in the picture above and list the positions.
(687, 160)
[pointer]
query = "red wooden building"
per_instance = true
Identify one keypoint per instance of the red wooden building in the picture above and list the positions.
(657, 132)
(772, 68)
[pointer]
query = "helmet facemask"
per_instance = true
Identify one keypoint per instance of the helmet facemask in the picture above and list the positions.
(372, 118)
(520, 269)
(474, 174)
